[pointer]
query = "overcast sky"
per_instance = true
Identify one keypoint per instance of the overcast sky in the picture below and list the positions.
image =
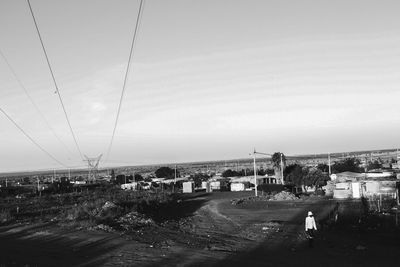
(209, 80)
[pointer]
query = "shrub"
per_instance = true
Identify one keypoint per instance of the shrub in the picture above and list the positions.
(5, 216)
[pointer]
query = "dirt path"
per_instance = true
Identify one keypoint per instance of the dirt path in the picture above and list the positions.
(216, 234)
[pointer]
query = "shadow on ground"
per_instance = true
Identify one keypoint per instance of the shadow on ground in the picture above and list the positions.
(354, 240)
(36, 246)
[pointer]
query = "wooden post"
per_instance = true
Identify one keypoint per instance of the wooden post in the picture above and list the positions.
(380, 202)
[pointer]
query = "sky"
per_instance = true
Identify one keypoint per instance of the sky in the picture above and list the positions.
(209, 80)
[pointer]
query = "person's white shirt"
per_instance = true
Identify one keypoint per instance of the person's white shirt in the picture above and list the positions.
(310, 223)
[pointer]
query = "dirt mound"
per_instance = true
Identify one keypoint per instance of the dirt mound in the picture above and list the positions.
(239, 201)
(134, 220)
(277, 196)
(283, 196)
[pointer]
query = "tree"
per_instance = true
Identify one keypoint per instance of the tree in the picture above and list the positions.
(279, 159)
(112, 175)
(298, 175)
(230, 173)
(270, 171)
(348, 164)
(276, 159)
(374, 165)
(166, 172)
(198, 178)
(323, 167)
(138, 177)
(129, 178)
(120, 179)
(315, 177)
(293, 174)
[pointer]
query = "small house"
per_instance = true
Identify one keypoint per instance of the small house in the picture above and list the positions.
(188, 187)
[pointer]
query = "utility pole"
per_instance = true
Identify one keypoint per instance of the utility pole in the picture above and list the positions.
(255, 167)
(282, 170)
(69, 174)
(329, 164)
(54, 176)
(175, 174)
(175, 179)
(255, 171)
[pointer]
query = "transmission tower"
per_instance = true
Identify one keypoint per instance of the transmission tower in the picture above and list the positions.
(93, 166)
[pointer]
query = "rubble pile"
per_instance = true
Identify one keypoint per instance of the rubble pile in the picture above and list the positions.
(283, 196)
(134, 220)
(108, 205)
(278, 196)
(102, 227)
(239, 201)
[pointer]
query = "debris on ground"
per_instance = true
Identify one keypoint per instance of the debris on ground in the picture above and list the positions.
(239, 201)
(102, 227)
(108, 205)
(134, 220)
(283, 196)
(275, 196)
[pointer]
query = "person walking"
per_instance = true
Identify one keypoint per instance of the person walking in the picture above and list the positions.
(310, 228)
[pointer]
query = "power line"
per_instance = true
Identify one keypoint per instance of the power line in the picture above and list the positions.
(54, 80)
(126, 76)
(32, 101)
(31, 139)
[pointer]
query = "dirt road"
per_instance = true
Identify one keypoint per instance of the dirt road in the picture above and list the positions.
(215, 233)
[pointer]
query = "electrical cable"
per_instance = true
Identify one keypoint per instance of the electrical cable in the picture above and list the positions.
(31, 139)
(54, 80)
(33, 102)
(126, 77)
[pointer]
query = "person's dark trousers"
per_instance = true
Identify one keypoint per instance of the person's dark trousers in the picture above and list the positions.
(310, 233)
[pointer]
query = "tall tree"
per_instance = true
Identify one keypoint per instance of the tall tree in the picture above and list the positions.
(279, 159)
(315, 177)
(293, 174)
(276, 159)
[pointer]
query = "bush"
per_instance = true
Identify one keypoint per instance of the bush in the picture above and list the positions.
(5, 216)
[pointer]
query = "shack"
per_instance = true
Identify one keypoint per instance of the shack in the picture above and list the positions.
(130, 186)
(240, 186)
(188, 187)
(220, 184)
(358, 185)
